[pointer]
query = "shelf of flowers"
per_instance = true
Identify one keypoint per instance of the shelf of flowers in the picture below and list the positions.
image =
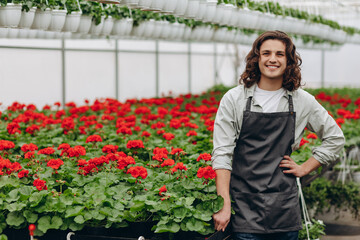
(185, 20)
(111, 163)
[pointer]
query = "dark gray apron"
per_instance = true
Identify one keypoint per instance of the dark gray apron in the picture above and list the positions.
(265, 199)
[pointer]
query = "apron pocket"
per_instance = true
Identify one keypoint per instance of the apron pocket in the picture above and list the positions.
(283, 210)
(250, 212)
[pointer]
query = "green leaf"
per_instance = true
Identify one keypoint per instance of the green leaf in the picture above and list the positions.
(170, 227)
(73, 211)
(3, 237)
(12, 207)
(36, 198)
(138, 206)
(30, 216)
(13, 196)
(218, 203)
(46, 222)
(180, 212)
(194, 225)
(79, 219)
(15, 219)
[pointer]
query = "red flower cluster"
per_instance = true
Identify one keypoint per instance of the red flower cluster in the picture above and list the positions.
(206, 172)
(176, 151)
(123, 162)
(29, 147)
(162, 189)
(9, 166)
(6, 145)
(168, 162)
(168, 136)
(135, 144)
(160, 153)
(110, 149)
(191, 133)
(204, 156)
(93, 138)
(179, 166)
(23, 173)
(77, 151)
(40, 184)
(13, 128)
(55, 163)
(303, 141)
(138, 171)
(31, 129)
(311, 136)
(46, 151)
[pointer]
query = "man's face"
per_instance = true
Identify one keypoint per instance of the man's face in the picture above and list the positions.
(272, 61)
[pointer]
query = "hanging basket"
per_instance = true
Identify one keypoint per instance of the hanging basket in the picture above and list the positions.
(84, 25)
(201, 11)
(170, 6)
(149, 28)
(180, 8)
(96, 29)
(166, 31)
(219, 13)
(72, 22)
(122, 27)
(227, 15)
(27, 18)
(158, 27)
(10, 15)
(108, 26)
(58, 18)
(42, 19)
(157, 5)
(192, 9)
(210, 11)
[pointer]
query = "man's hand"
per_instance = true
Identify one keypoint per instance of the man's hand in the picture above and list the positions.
(222, 218)
(299, 170)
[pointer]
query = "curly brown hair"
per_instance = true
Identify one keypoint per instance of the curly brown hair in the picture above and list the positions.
(292, 74)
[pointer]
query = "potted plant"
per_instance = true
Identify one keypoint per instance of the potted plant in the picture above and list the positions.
(108, 21)
(98, 16)
(27, 15)
(42, 17)
(10, 13)
(58, 15)
(123, 22)
(72, 21)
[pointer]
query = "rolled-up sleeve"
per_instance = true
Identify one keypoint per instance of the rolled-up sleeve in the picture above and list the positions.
(328, 131)
(224, 134)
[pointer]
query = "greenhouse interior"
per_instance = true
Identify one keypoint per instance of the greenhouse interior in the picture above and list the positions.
(132, 119)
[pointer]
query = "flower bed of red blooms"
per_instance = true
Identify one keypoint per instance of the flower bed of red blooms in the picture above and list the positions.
(109, 163)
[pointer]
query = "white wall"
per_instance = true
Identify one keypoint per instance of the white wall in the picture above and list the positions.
(34, 76)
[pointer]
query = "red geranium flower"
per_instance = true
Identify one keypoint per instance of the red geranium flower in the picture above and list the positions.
(311, 136)
(176, 151)
(168, 136)
(138, 171)
(303, 141)
(204, 156)
(191, 133)
(179, 166)
(162, 189)
(29, 147)
(6, 145)
(23, 173)
(110, 148)
(135, 144)
(55, 163)
(40, 184)
(168, 162)
(206, 172)
(46, 151)
(93, 138)
(123, 162)
(145, 134)
(29, 155)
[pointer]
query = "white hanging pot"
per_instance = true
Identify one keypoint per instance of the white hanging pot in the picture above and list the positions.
(166, 30)
(32, 33)
(170, 6)
(129, 26)
(192, 9)
(76, 35)
(181, 31)
(210, 10)
(27, 18)
(10, 15)
(139, 30)
(228, 11)
(58, 18)
(202, 9)
(209, 33)
(42, 19)
(157, 5)
(144, 4)
(187, 33)
(23, 33)
(108, 26)
(180, 8)
(149, 28)
(84, 25)
(174, 30)
(72, 22)
(13, 33)
(131, 3)
(234, 17)
(96, 29)
(158, 26)
(219, 13)
(122, 27)
(248, 19)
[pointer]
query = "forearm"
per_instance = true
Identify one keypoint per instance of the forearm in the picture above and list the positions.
(310, 165)
(223, 185)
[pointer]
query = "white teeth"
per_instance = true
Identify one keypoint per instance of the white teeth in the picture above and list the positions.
(272, 66)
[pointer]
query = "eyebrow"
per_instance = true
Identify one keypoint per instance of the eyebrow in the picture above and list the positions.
(271, 51)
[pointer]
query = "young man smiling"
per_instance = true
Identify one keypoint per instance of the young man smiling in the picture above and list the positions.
(258, 124)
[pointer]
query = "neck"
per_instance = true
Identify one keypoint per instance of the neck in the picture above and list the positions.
(270, 85)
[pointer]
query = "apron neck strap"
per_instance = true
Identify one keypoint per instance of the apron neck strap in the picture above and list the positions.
(291, 105)
(248, 104)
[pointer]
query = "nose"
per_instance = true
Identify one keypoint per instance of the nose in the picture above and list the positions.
(272, 58)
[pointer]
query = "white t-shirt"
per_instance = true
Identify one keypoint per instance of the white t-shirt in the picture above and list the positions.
(268, 100)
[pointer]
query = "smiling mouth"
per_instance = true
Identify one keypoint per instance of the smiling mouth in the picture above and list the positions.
(272, 67)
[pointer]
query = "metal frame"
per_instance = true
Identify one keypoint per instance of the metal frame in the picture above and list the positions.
(116, 51)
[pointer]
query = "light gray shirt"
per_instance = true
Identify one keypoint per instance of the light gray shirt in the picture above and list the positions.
(309, 113)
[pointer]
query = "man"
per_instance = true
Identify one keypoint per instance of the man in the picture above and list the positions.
(257, 126)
